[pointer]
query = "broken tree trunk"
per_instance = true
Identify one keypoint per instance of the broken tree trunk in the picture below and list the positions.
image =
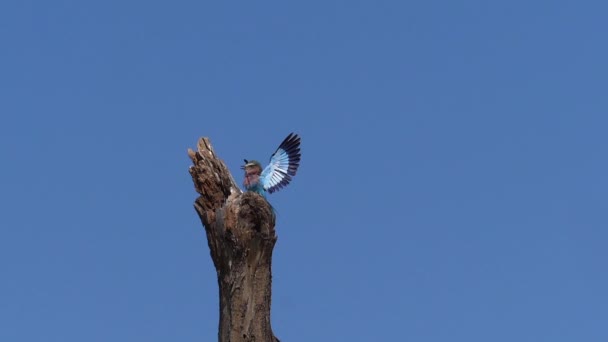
(241, 237)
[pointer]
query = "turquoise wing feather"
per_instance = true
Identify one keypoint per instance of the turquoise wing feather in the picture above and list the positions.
(283, 165)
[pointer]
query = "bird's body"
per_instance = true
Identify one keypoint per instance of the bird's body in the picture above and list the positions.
(257, 188)
(283, 165)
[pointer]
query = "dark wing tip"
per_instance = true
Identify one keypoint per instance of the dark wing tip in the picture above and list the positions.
(291, 145)
(291, 140)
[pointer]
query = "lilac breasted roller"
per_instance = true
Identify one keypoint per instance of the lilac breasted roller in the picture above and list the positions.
(283, 165)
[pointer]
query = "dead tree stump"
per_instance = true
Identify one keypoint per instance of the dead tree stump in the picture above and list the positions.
(241, 237)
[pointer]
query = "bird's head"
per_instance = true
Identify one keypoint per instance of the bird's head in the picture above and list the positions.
(251, 164)
(253, 169)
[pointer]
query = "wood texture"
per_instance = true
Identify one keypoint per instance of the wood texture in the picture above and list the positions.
(241, 237)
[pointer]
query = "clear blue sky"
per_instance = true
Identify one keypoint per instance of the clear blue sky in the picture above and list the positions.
(452, 188)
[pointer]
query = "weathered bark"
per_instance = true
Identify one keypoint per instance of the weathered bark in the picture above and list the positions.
(241, 237)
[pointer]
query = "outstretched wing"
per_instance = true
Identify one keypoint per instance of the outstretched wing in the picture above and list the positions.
(283, 165)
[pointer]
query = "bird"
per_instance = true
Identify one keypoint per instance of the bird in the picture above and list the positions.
(283, 165)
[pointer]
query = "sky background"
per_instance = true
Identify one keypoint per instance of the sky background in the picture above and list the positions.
(452, 186)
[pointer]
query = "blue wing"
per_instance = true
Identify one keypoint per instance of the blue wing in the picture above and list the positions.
(283, 165)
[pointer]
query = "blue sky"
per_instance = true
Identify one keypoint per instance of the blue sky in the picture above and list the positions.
(452, 187)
